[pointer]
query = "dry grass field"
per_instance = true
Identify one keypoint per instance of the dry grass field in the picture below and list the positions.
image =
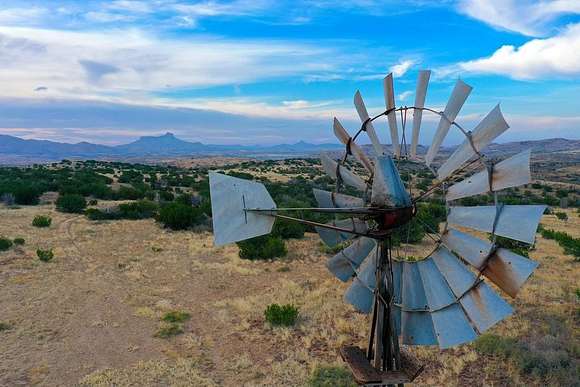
(90, 316)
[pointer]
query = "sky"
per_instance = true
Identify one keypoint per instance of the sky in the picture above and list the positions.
(271, 72)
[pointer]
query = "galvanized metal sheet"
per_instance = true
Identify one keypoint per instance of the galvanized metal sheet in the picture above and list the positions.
(458, 96)
(388, 189)
(358, 153)
(333, 237)
(331, 168)
(327, 199)
(468, 247)
(370, 129)
(417, 328)
(511, 172)
(229, 197)
(515, 222)
(413, 294)
(360, 292)
(437, 291)
(452, 327)
(397, 284)
(484, 307)
(344, 264)
(389, 93)
(488, 129)
(457, 275)
(420, 94)
(509, 271)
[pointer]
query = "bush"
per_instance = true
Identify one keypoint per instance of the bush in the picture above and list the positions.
(19, 241)
(26, 195)
(41, 221)
(330, 376)
(141, 209)
(93, 202)
(561, 215)
(176, 316)
(281, 315)
(5, 244)
(45, 255)
(169, 330)
(178, 216)
(287, 229)
(262, 247)
(517, 247)
(71, 203)
(96, 214)
(570, 244)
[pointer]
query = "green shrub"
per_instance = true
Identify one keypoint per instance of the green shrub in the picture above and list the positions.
(561, 215)
(169, 330)
(45, 255)
(176, 316)
(517, 247)
(141, 209)
(5, 244)
(331, 376)
(178, 216)
(262, 247)
(26, 194)
(41, 221)
(19, 241)
(287, 229)
(570, 244)
(96, 214)
(4, 326)
(281, 315)
(93, 202)
(71, 203)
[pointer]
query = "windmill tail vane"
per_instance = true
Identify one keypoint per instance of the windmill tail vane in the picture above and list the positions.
(443, 299)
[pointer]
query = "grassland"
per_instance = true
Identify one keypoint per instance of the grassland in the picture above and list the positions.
(91, 316)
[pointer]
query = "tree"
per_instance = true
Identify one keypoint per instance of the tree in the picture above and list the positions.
(71, 203)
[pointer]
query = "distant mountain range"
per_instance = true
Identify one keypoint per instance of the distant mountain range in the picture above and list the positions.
(14, 150)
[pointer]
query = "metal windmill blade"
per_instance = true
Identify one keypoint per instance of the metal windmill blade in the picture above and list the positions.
(442, 299)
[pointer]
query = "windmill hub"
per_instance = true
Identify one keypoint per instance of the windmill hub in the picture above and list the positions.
(396, 218)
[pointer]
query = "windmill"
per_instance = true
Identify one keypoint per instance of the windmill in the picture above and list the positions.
(443, 299)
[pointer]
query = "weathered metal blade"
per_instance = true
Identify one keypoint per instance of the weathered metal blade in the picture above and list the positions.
(334, 237)
(397, 279)
(392, 116)
(511, 172)
(484, 133)
(358, 153)
(452, 326)
(458, 96)
(331, 168)
(484, 307)
(370, 129)
(344, 264)
(229, 197)
(473, 250)
(413, 293)
(515, 222)
(420, 94)
(327, 199)
(360, 293)
(437, 291)
(417, 328)
(388, 189)
(509, 271)
(457, 275)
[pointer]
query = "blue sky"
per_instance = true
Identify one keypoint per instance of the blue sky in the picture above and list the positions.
(278, 71)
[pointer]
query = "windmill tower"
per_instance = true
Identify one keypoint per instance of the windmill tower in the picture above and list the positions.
(442, 299)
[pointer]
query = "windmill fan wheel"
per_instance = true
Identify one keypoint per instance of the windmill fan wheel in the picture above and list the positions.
(442, 299)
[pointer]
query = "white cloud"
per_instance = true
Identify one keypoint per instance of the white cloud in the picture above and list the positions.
(21, 16)
(404, 95)
(527, 17)
(555, 57)
(131, 6)
(129, 63)
(401, 68)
